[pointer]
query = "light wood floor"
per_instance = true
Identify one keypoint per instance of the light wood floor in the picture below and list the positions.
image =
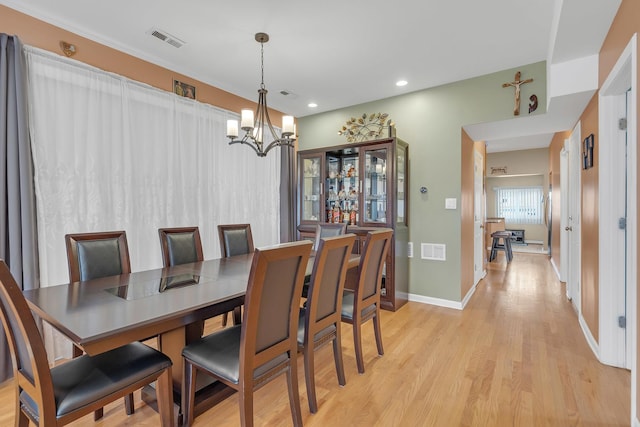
(514, 357)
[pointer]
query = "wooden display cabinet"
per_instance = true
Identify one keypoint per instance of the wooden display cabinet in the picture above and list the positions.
(366, 185)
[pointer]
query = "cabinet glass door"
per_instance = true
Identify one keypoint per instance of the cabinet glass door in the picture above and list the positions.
(375, 186)
(311, 189)
(401, 183)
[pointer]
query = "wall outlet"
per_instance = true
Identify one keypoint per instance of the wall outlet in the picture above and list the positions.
(410, 250)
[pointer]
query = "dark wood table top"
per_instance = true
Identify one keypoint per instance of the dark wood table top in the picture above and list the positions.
(105, 313)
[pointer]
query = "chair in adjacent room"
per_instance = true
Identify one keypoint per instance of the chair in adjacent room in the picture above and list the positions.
(319, 321)
(264, 345)
(363, 303)
(235, 239)
(96, 255)
(62, 394)
(180, 245)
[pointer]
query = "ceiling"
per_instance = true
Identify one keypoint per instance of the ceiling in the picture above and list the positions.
(338, 53)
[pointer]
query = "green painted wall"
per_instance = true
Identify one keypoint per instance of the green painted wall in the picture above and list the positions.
(430, 121)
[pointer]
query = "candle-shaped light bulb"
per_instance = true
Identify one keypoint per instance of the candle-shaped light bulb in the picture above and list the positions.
(287, 125)
(247, 119)
(232, 128)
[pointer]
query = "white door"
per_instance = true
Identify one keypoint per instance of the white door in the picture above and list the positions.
(564, 213)
(572, 221)
(478, 217)
(618, 214)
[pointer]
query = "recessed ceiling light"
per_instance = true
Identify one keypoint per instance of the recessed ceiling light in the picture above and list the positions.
(312, 105)
(401, 83)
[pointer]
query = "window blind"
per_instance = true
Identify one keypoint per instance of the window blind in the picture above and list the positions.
(520, 205)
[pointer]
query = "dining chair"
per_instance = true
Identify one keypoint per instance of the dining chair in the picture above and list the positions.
(64, 393)
(363, 303)
(180, 245)
(247, 356)
(319, 321)
(323, 230)
(328, 230)
(96, 255)
(235, 239)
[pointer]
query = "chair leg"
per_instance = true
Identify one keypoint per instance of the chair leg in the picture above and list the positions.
(294, 396)
(237, 315)
(309, 376)
(97, 414)
(128, 404)
(224, 319)
(22, 420)
(337, 357)
(188, 393)
(357, 343)
(246, 406)
(376, 330)
(164, 395)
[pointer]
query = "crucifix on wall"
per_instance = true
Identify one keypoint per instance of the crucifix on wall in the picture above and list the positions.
(516, 84)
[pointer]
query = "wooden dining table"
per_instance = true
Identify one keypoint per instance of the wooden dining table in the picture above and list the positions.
(170, 303)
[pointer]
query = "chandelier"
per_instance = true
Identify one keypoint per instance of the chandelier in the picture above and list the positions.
(255, 127)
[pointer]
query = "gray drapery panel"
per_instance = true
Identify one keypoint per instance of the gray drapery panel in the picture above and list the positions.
(18, 238)
(287, 194)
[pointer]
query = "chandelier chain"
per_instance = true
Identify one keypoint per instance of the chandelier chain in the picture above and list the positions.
(262, 64)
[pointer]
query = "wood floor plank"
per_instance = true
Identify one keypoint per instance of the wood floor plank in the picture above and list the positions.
(515, 356)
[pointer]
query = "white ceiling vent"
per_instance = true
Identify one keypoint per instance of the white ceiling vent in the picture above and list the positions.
(433, 251)
(166, 37)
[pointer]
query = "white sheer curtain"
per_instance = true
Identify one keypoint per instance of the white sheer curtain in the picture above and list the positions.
(113, 154)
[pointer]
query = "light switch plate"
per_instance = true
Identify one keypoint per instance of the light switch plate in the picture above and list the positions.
(450, 203)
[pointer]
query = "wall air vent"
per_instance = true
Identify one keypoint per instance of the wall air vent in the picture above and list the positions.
(433, 251)
(166, 37)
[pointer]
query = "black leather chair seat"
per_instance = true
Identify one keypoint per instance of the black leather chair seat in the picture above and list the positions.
(301, 328)
(347, 306)
(219, 353)
(84, 379)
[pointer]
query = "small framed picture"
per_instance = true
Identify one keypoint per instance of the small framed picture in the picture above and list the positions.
(184, 89)
(587, 152)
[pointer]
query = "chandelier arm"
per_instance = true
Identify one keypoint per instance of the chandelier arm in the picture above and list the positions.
(279, 143)
(244, 141)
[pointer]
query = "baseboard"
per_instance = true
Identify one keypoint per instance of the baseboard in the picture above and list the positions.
(555, 268)
(590, 340)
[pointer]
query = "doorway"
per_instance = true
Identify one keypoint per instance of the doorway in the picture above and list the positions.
(570, 182)
(618, 216)
(478, 217)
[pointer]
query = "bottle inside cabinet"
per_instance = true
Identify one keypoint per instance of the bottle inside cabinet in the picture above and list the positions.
(341, 199)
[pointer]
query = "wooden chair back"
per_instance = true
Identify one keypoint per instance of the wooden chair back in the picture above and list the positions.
(328, 230)
(96, 255)
(324, 301)
(30, 365)
(272, 301)
(235, 239)
(180, 245)
(371, 267)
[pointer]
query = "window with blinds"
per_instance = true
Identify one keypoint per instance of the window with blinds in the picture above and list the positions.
(520, 205)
